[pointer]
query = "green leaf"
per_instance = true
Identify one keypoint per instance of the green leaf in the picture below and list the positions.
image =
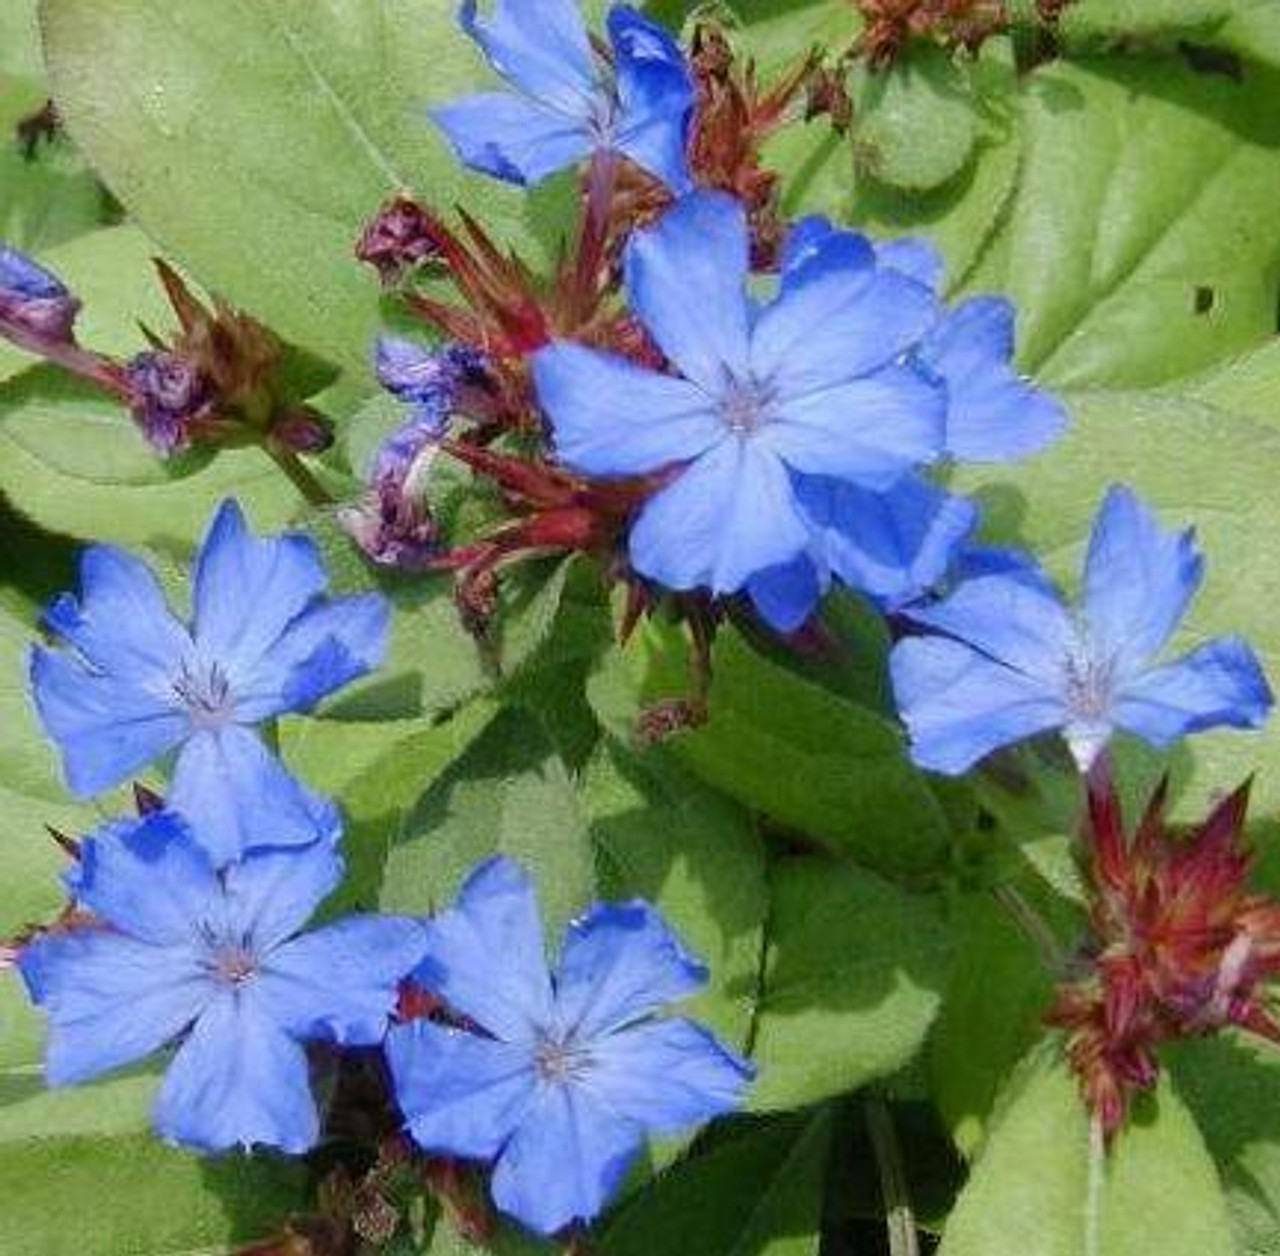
(915, 123)
(1133, 260)
(1194, 464)
(757, 1192)
(852, 981)
(806, 757)
(82, 1175)
(661, 835)
(1029, 1194)
(255, 143)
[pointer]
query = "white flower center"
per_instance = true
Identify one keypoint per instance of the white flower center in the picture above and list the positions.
(558, 1061)
(206, 694)
(745, 405)
(1090, 683)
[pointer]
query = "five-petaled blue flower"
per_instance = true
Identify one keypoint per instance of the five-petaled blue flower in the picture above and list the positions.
(894, 545)
(558, 1078)
(180, 951)
(137, 683)
(1015, 661)
(809, 387)
(571, 103)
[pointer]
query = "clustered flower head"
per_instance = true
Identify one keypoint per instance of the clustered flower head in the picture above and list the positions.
(1179, 946)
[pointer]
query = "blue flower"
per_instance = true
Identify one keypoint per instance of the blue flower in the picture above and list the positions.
(810, 385)
(558, 1079)
(1015, 661)
(32, 298)
(428, 381)
(570, 104)
(181, 952)
(137, 683)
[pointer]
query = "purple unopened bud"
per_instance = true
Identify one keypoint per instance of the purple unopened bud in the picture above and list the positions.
(399, 238)
(393, 526)
(33, 299)
(170, 396)
(304, 430)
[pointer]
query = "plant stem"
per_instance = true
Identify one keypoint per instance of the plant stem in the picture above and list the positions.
(313, 492)
(1093, 1199)
(1032, 923)
(904, 1239)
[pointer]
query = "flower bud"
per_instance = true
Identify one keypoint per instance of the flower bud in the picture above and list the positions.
(170, 396)
(398, 239)
(34, 300)
(303, 430)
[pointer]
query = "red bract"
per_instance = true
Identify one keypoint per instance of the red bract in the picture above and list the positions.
(1180, 948)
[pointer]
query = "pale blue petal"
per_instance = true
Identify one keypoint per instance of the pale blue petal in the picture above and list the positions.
(121, 623)
(814, 248)
(510, 138)
(1016, 621)
(106, 728)
(1139, 579)
(959, 706)
(1220, 684)
(787, 595)
(840, 324)
(326, 647)
(686, 280)
(540, 46)
(871, 431)
(235, 794)
(891, 546)
(485, 957)
(341, 983)
(110, 998)
(565, 1161)
(667, 1075)
(238, 1081)
(916, 258)
(248, 589)
(147, 878)
(461, 1095)
(271, 893)
(729, 516)
(620, 962)
(610, 417)
(656, 95)
(993, 414)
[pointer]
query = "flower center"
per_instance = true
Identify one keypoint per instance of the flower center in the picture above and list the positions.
(234, 965)
(745, 406)
(206, 693)
(1089, 684)
(558, 1061)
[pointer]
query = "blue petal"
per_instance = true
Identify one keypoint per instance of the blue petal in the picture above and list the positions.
(1016, 621)
(25, 277)
(891, 546)
(916, 258)
(610, 417)
(485, 957)
(960, 706)
(110, 999)
(541, 47)
(839, 324)
(871, 431)
(565, 1161)
(667, 1075)
(619, 963)
(147, 878)
(993, 414)
(272, 893)
(656, 96)
(326, 647)
(787, 595)
(814, 248)
(728, 516)
(238, 1081)
(461, 1095)
(121, 623)
(341, 983)
(248, 589)
(512, 139)
(1220, 684)
(1139, 579)
(686, 280)
(236, 795)
(106, 728)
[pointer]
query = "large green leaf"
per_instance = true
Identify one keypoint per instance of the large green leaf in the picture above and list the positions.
(852, 981)
(254, 140)
(1032, 1192)
(806, 757)
(758, 1192)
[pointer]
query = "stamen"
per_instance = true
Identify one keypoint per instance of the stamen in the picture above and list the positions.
(206, 695)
